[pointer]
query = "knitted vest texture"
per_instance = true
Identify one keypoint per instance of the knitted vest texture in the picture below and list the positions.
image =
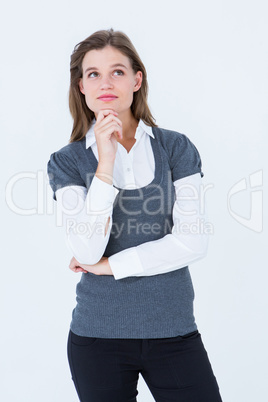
(156, 306)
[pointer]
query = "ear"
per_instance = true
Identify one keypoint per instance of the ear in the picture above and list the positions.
(138, 80)
(81, 86)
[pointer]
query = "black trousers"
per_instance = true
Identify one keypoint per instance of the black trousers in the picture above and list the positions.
(175, 369)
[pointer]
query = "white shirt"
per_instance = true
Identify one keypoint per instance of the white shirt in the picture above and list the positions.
(85, 214)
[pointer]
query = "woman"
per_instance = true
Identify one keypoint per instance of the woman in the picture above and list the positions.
(127, 192)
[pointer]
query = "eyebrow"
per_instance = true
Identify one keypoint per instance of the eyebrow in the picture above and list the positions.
(113, 65)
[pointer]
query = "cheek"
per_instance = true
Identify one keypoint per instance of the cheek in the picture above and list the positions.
(129, 91)
(89, 92)
(89, 98)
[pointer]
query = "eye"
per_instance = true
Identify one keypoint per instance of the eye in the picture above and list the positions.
(120, 72)
(93, 72)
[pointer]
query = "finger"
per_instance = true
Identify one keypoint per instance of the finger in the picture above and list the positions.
(80, 270)
(109, 129)
(75, 267)
(73, 264)
(105, 112)
(106, 120)
(73, 260)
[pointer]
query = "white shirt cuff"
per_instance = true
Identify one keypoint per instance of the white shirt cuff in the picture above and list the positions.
(125, 263)
(100, 196)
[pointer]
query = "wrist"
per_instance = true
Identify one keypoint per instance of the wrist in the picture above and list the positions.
(104, 171)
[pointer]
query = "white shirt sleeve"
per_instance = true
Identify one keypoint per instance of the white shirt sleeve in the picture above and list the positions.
(84, 216)
(186, 244)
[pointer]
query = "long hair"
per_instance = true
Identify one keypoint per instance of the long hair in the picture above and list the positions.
(82, 115)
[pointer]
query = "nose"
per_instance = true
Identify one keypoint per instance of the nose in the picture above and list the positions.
(106, 82)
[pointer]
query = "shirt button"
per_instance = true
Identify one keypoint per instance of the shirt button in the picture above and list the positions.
(128, 169)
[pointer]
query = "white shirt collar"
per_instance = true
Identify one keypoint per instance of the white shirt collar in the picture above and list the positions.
(142, 127)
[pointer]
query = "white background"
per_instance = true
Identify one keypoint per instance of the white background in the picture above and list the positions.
(207, 70)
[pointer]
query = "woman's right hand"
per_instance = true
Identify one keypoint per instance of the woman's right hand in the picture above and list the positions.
(106, 127)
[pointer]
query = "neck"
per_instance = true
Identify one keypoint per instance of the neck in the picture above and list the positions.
(130, 125)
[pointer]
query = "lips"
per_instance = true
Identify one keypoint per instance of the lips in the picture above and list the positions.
(107, 97)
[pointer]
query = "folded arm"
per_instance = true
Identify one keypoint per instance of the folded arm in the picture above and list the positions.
(88, 232)
(186, 244)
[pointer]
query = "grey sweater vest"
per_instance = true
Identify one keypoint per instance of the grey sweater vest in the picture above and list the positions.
(156, 306)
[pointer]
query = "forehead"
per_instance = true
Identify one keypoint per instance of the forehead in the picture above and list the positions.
(104, 58)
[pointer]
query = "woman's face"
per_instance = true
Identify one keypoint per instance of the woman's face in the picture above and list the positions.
(107, 71)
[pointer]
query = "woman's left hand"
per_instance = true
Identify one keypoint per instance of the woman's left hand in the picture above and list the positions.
(101, 268)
